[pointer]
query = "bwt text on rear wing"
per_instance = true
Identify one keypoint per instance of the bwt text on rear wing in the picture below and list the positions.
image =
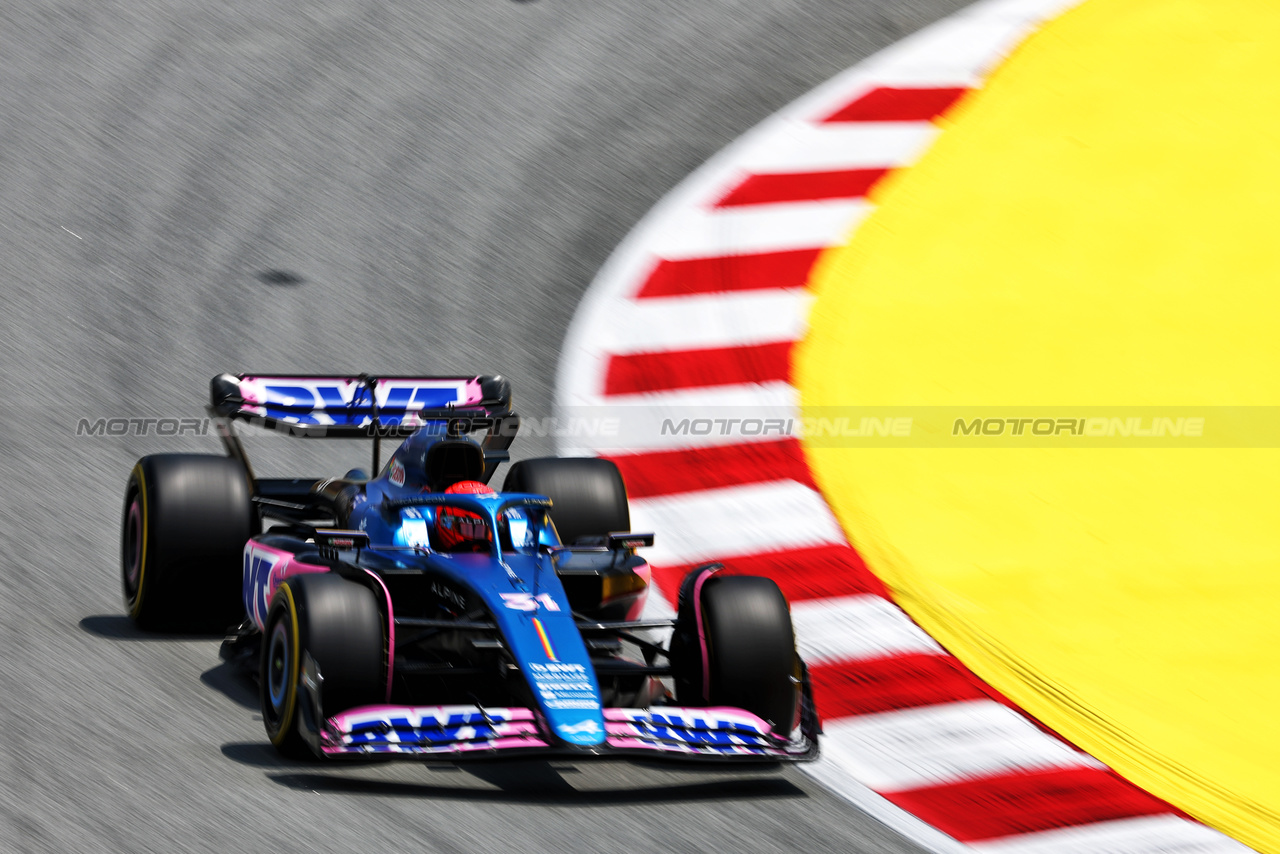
(366, 407)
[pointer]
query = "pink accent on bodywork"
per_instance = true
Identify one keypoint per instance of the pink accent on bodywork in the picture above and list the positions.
(511, 743)
(631, 729)
(251, 391)
(516, 713)
(520, 729)
(517, 729)
(472, 393)
(288, 568)
(391, 631)
(725, 713)
(702, 635)
(628, 743)
(285, 567)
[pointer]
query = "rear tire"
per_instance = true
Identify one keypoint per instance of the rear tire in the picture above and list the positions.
(337, 623)
(750, 650)
(588, 496)
(186, 520)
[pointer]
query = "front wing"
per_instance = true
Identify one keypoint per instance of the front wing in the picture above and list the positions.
(466, 731)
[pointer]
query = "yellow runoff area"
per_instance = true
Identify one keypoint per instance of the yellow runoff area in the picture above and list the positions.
(1096, 227)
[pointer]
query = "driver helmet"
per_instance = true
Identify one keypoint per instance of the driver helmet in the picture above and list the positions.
(459, 530)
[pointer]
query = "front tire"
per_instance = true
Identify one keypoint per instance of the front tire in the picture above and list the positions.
(587, 495)
(748, 643)
(186, 520)
(338, 624)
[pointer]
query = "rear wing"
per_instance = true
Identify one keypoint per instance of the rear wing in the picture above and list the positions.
(366, 407)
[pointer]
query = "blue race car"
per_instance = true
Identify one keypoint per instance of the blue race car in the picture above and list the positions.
(420, 613)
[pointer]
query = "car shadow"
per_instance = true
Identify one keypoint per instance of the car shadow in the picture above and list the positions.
(544, 786)
(119, 627)
(523, 781)
(260, 754)
(233, 682)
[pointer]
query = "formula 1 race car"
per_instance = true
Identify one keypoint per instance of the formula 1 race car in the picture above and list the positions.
(420, 613)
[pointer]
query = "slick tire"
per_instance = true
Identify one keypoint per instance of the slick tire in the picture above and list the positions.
(186, 520)
(750, 651)
(339, 625)
(588, 496)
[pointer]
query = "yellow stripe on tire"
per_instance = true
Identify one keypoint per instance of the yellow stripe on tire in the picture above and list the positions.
(291, 688)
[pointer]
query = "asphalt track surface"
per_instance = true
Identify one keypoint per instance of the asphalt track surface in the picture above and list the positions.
(189, 188)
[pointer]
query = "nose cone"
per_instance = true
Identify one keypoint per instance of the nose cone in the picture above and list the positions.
(587, 733)
(567, 692)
